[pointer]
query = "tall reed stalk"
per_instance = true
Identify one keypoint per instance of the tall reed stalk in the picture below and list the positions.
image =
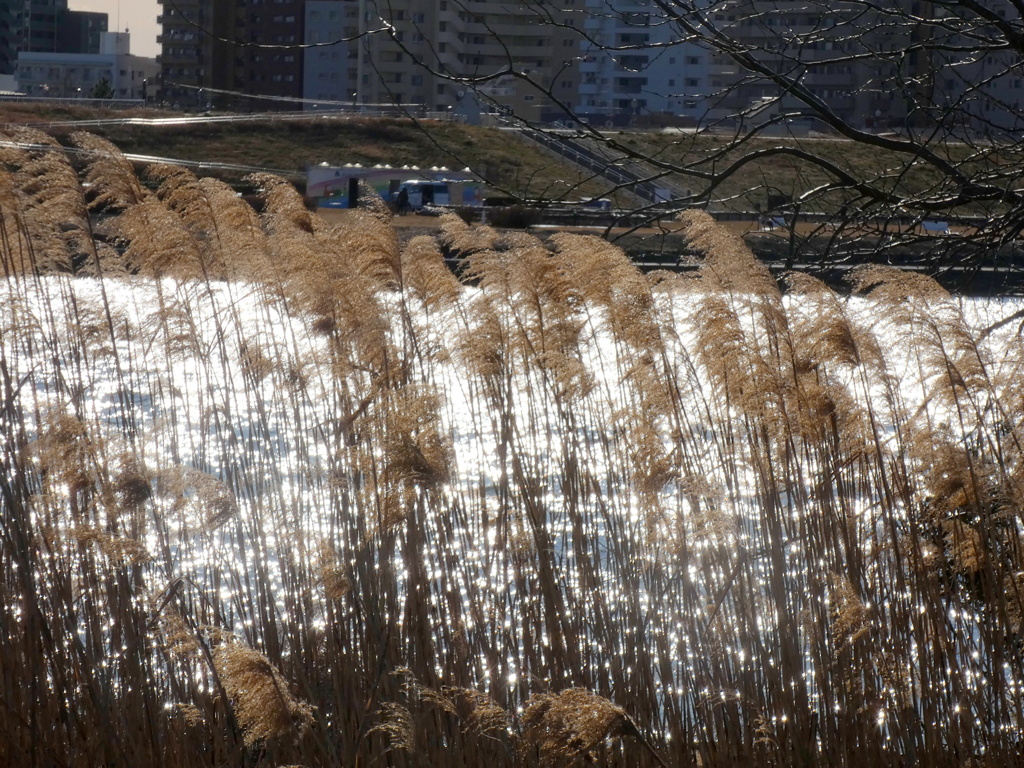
(282, 492)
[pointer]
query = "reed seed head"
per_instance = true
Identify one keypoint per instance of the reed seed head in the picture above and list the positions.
(264, 707)
(567, 725)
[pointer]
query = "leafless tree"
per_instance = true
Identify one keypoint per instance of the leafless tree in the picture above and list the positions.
(897, 121)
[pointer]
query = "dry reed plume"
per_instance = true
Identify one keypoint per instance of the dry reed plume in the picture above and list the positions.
(571, 724)
(263, 704)
(275, 491)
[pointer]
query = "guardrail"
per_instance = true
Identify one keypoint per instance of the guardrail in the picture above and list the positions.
(186, 118)
(154, 159)
(65, 101)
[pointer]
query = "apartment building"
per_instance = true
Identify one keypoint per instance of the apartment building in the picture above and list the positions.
(8, 38)
(989, 92)
(270, 72)
(609, 61)
(46, 26)
(330, 66)
(75, 75)
(407, 52)
(37, 22)
(635, 63)
(832, 57)
(902, 65)
(460, 57)
(467, 57)
(243, 54)
(194, 58)
(80, 31)
(976, 84)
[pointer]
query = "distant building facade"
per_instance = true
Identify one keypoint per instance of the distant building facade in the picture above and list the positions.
(382, 52)
(76, 75)
(79, 31)
(192, 58)
(330, 66)
(275, 72)
(8, 38)
(367, 64)
(207, 57)
(607, 61)
(986, 86)
(46, 26)
(858, 89)
(510, 49)
(38, 22)
(901, 65)
(635, 64)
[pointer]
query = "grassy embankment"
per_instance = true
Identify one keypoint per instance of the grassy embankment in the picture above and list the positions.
(519, 167)
(291, 146)
(789, 176)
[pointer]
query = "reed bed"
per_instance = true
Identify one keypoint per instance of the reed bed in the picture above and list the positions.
(277, 492)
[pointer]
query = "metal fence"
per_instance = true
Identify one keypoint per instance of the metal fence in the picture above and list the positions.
(69, 101)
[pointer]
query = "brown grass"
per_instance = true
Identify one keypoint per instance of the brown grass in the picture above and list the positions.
(279, 491)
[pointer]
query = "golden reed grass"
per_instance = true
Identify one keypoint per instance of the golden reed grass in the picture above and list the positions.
(278, 492)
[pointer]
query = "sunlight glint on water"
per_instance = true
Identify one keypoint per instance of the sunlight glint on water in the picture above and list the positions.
(681, 563)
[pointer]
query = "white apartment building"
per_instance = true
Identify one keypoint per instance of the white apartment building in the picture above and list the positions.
(636, 63)
(329, 67)
(75, 75)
